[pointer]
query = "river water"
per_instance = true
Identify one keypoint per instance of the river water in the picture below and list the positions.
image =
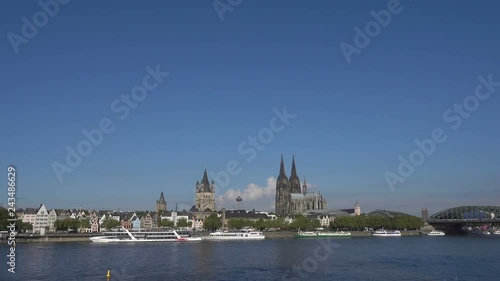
(368, 258)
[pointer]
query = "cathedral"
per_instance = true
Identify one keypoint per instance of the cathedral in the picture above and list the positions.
(291, 198)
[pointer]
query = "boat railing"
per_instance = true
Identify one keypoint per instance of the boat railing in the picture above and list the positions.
(132, 237)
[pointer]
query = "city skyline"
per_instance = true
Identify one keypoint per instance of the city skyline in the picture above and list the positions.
(231, 96)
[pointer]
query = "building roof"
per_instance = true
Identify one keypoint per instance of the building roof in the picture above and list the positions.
(205, 184)
(162, 199)
(244, 214)
(349, 211)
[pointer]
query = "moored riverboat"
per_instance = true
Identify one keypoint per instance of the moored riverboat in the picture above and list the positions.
(126, 236)
(386, 233)
(321, 234)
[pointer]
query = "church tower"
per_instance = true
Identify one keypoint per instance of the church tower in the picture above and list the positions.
(304, 187)
(294, 179)
(357, 209)
(161, 204)
(283, 195)
(205, 194)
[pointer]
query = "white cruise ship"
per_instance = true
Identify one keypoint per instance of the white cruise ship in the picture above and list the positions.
(125, 236)
(245, 234)
(385, 233)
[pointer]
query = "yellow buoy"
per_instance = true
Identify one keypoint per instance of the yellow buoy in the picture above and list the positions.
(108, 275)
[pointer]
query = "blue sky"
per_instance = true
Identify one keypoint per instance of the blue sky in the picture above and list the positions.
(352, 120)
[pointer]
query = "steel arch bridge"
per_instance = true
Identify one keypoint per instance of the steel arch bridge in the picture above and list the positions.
(468, 214)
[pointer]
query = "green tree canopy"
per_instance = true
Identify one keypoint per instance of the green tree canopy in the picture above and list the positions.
(165, 223)
(109, 223)
(212, 222)
(376, 222)
(182, 222)
(4, 215)
(240, 223)
(66, 224)
(85, 223)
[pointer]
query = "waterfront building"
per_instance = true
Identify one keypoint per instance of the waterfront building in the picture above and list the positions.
(147, 221)
(249, 215)
(81, 215)
(425, 214)
(126, 222)
(227, 215)
(94, 223)
(292, 198)
(63, 214)
(325, 220)
(176, 216)
(136, 223)
(42, 220)
(29, 216)
(356, 211)
(52, 219)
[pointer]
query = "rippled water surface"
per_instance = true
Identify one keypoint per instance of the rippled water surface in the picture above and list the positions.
(387, 259)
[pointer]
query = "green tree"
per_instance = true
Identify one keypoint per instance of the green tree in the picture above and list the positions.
(182, 222)
(279, 223)
(212, 222)
(240, 223)
(66, 224)
(165, 223)
(110, 223)
(4, 215)
(301, 222)
(23, 226)
(85, 223)
(261, 224)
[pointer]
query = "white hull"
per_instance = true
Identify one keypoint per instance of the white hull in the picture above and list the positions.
(107, 239)
(233, 238)
(496, 232)
(126, 236)
(243, 235)
(436, 233)
(386, 233)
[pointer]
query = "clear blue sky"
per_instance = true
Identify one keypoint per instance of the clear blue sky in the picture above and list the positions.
(352, 119)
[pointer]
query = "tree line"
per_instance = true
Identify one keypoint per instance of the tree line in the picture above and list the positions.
(182, 222)
(354, 223)
(359, 223)
(213, 222)
(4, 223)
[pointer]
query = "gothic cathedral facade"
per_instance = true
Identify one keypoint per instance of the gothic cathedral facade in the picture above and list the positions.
(291, 198)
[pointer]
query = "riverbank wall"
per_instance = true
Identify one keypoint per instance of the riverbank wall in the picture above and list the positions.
(27, 238)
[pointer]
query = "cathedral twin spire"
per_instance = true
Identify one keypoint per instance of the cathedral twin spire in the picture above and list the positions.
(294, 178)
(282, 169)
(294, 170)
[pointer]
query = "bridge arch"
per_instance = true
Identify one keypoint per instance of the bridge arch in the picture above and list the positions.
(386, 213)
(468, 213)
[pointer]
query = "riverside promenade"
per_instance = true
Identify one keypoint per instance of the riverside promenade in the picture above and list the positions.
(76, 237)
